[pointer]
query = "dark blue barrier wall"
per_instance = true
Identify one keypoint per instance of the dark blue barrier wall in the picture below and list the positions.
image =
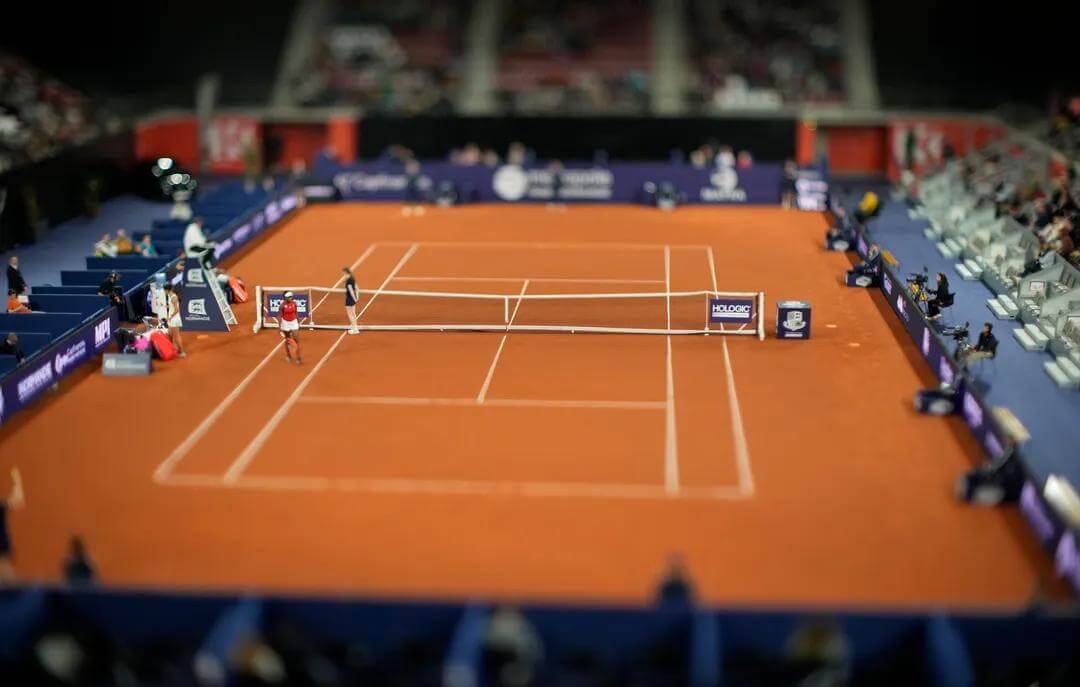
(54, 323)
(128, 278)
(85, 304)
(76, 290)
(26, 383)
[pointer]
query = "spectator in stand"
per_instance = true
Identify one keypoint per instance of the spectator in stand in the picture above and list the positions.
(145, 247)
(414, 193)
(787, 186)
(124, 246)
(78, 569)
(675, 589)
(10, 346)
(14, 501)
(513, 651)
(725, 157)
(14, 304)
(744, 160)
(15, 279)
(491, 158)
(105, 248)
(698, 159)
(517, 154)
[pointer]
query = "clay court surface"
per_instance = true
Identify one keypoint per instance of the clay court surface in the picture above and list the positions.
(528, 465)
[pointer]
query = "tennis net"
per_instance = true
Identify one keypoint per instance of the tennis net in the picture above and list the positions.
(675, 312)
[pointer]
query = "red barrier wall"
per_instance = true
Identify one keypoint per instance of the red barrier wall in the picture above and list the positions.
(342, 138)
(299, 142)
(176, 137)
(857, 149)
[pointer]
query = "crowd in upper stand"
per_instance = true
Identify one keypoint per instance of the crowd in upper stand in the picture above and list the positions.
(39, 116)
(575, 56)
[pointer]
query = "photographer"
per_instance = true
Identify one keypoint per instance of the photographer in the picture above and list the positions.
(871, 267)
(942, 297)
(985, 347)
(111, 288)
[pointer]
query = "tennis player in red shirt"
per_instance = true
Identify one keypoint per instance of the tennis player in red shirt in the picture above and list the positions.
(290, 327)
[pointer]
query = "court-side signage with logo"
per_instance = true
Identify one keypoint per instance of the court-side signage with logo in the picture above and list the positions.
(199, 311)
(617, 182)
(793, 320)
(30, 380)
(731, 310)
(302, 300)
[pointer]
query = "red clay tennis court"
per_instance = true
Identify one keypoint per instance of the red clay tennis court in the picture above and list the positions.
(529, 464)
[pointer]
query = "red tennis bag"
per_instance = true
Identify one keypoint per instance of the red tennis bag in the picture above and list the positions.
(162, 346)
(240, 294)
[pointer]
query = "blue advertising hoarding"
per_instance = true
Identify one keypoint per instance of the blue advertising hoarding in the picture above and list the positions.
(30, 380)
(618, 182)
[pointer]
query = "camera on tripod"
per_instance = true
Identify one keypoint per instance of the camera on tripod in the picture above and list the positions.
(920, 278)
(959, 333)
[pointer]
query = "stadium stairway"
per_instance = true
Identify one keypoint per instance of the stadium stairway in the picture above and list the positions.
(1017, 380)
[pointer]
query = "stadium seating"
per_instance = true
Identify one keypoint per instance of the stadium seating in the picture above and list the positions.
(356, 642)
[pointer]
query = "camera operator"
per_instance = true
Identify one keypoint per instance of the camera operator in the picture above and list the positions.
(871, 267)
(985, 347)
(942, 297)
(111, 288)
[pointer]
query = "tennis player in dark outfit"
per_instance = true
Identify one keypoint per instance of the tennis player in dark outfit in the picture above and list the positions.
(351, 296)
(13, 502)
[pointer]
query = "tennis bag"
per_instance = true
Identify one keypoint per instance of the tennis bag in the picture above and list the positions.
(240, 294)
(162, 346)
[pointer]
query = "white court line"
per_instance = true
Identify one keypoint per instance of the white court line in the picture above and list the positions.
(495, 361)
(544, 245)
(169, 464)
(490, 402)
(712, 266)
(667, 282)
(599, 490)
(671, 446)
(240, 464)
(742, 452)
(738, 431)
(555, 280)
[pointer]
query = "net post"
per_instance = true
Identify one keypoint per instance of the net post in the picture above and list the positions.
(708, 296)
(506, 310)
(258, 310)
(761, 316)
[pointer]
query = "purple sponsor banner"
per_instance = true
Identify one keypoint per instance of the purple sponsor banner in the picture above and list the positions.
(731, 310)
(619, 182)
(28, 381)
(302, 299)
